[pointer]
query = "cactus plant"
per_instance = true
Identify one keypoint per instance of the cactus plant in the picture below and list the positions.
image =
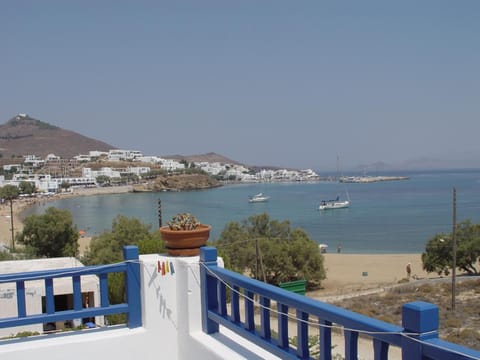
(183, 221)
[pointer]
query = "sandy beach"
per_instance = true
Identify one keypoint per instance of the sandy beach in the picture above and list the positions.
(367, 273)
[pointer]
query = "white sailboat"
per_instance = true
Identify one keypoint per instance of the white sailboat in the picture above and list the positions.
(258, 198)
(336, 203)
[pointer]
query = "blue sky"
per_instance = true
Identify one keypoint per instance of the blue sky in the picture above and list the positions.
(284, 83)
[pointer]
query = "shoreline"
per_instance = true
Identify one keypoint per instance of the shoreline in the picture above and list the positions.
(347, 273)
(20, 205)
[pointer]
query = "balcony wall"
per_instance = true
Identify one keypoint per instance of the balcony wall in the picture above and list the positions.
(171, 325)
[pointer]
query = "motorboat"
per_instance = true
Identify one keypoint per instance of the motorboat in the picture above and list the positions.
(258, 198)
(334, 204)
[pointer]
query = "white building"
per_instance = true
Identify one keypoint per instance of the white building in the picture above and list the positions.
(126, 155)
(33, 160)
(149, 159)
(42, 182)
(35, 291)
(96, 154)
(52, 157)
(169, 164)
(11, 167)
(104, 171)
(138, 170)
(76, 181)
(83, 158)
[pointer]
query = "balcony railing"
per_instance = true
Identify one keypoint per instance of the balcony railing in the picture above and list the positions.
(417, 339)
(132, 306)
(259, 312)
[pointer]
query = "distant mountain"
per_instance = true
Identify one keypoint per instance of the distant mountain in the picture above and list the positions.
(23, 135)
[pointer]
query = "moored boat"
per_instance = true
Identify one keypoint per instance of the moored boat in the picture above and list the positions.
(334, 204)
(258, 198)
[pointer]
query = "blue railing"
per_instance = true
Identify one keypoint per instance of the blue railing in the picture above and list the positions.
(132, 306)
(418, 338)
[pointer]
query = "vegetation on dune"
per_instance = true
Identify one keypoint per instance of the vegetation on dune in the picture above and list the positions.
(459, 326)
(272, 251)
(438, 255)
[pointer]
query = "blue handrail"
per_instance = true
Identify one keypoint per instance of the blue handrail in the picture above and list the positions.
(418, 338)
(132, 306)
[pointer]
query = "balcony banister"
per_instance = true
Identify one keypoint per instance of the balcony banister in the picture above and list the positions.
(133, 286)
(418, 338)
(59, 273)
(132, 308)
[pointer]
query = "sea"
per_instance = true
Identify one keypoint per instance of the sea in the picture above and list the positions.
(384, 217)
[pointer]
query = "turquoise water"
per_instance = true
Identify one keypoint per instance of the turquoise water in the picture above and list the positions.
(385, 217)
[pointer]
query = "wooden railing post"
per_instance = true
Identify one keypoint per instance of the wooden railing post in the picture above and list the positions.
(208, 258)
(420, 321)
(133, 286)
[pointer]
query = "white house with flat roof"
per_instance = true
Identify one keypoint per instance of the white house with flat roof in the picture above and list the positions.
(118, 155)
(35, 293)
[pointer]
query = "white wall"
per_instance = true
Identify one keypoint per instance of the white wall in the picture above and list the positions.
(171, 325)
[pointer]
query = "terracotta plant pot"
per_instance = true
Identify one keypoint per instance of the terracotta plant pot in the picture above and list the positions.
(185, 242)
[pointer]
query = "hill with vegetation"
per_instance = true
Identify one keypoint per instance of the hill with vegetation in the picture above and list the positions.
(24, 135)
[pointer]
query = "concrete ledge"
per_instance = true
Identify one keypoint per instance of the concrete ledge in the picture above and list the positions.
(228, 345)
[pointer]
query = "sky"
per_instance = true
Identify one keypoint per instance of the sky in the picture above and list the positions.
(269, 83)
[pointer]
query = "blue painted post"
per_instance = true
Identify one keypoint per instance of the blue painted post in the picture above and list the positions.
(325, 339)
(351, 344)
(49, 296)
(21, 305)
(208, 258)
(302, 335)
(420, 321)
(77, 293)
(133, 286)
(282, 326)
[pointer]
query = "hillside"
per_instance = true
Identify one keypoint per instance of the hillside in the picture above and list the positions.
(23, 135)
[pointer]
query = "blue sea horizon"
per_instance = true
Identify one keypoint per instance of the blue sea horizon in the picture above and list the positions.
(384, 217)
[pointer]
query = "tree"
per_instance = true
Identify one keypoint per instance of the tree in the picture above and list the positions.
(10, 193)
(27, 187)
(65, 185)
(51, 234)
(107, 248)
(283, 254)
(103, 180)
(438, 255)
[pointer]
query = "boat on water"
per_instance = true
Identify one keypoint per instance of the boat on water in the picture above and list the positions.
(337, 203)
(258, 198)
(334, 204)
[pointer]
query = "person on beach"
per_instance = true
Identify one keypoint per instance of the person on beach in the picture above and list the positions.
(409, 270)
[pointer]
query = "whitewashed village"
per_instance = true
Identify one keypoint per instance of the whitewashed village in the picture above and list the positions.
(50, 175)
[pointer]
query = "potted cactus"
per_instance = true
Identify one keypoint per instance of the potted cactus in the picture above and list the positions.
(184, 235)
